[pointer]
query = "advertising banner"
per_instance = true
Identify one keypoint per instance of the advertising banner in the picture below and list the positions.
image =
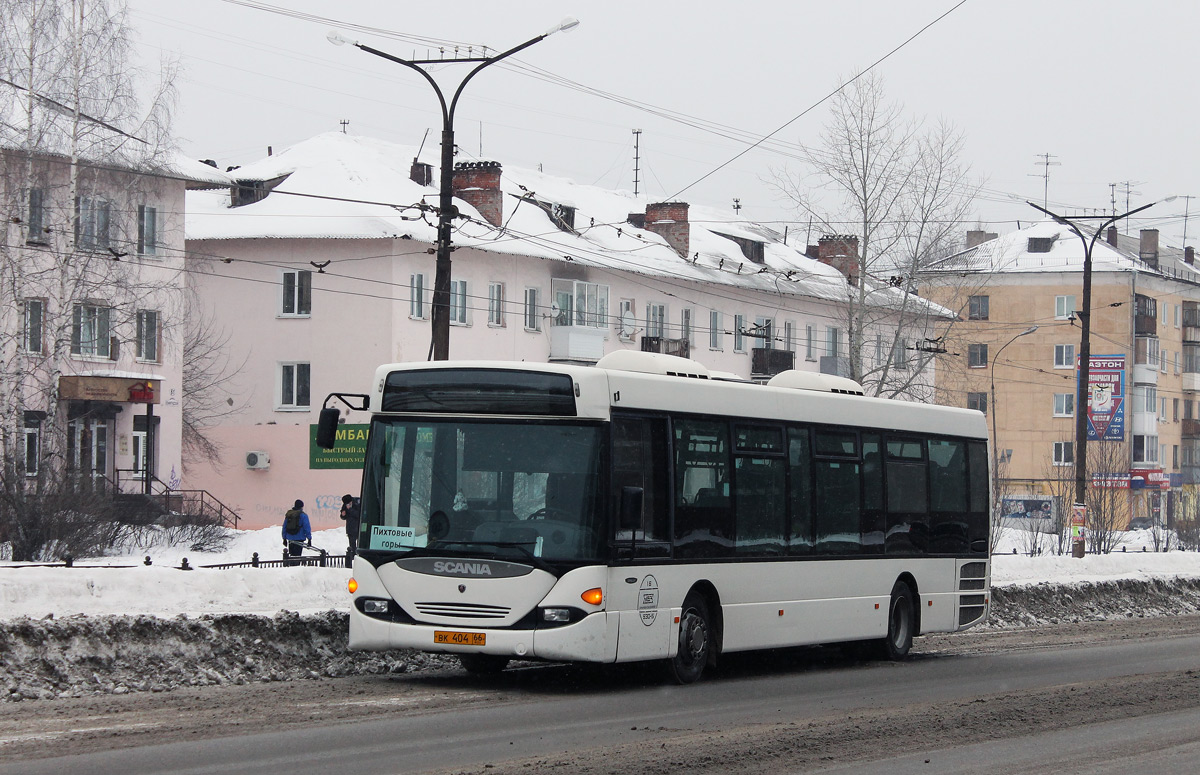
(349, 448)
(1106, 398)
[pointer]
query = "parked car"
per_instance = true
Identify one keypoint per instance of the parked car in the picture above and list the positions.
(1141, 523)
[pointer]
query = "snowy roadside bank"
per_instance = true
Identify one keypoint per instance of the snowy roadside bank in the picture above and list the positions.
(118, 654)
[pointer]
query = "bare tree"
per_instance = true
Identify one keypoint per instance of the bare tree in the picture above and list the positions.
(208, 376)
(906, 192)
(1108, 507)
(78, 157)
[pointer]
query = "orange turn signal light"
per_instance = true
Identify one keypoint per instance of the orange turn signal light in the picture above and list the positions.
(352, 586)
(594, 596)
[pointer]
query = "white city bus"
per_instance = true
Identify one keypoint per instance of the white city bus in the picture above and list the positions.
(645, 510)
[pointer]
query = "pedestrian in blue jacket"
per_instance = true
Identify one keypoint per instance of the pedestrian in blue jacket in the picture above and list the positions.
(296, 529)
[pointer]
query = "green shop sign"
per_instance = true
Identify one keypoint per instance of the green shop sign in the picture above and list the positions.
(349, 448)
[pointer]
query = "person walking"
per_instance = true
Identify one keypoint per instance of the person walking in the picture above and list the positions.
(351, 513)
(296, 529)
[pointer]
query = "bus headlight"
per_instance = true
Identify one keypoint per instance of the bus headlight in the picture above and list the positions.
(556, 614)
(375, 606)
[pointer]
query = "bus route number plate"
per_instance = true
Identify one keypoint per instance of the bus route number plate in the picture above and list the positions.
(460, 638)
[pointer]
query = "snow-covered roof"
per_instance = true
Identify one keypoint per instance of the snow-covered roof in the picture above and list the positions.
(339, 186)
(1055, 248)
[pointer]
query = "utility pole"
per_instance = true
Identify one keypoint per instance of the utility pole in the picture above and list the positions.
(637, 158)
(1187, 202)
(737, 205)
(1046, 164)
(1128, 185)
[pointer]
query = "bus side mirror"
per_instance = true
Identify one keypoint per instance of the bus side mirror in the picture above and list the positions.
(631, 508)
(327, 424)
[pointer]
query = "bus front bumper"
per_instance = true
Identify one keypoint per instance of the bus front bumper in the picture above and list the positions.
(591, 639)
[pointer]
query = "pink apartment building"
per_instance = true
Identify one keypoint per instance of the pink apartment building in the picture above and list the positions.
(318, 264)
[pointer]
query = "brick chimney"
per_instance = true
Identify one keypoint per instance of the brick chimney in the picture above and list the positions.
(1111, 236)
(421, 173)
(669, 220)
(1148, 248)
(478, 184)
(841, 252)
(1189, 256)
(978, 237)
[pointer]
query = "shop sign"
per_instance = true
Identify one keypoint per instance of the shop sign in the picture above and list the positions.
(121, 390)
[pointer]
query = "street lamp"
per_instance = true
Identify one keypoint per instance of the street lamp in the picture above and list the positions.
(1085, 347)
(995, 439)
(440, 323)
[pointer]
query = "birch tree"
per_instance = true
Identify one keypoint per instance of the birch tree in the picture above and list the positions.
(78, 151)
(903, 190)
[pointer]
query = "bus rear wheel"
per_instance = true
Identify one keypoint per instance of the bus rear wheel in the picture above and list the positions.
(695, 641)
(483, 664)
(901, 624)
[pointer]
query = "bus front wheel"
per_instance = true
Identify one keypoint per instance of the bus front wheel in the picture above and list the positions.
(901, 623)
(695, 640)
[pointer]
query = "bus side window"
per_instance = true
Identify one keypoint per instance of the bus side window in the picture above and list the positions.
(760, 490)
(907, 498)
(703, 517)
(979, 499)
(839, 493)
(873, 523)
(800, 494)
(948, 497)
(639, 459)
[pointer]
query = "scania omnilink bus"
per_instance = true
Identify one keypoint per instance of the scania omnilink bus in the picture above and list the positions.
(643, 510)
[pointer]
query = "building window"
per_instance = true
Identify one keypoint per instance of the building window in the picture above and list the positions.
(580, 303)
(716, 336)
(900, 355)
(35, 223)
(149, 331)
(495, 304)
(297, 293)
(832, 337)
(1163, 360)
(685, 324)
(1175, 409)
(416, 297)
(91, 223)
(1064, 356)
(1150, 400)
(294, 381)
(739, 339)
(33, 443)
(533, 318)
(808, 344)
(1064, 307)
(90, 330)
(1162, 410)
(1166, 308)
(1177, 364)
(656, 319)
(1064, 453)
(789, 336)
(1145, 449)
(33, 325)
(764, 331)
(147, 244)
(977, 308)
(977, 356)
(1175, 456)
(1178, 315)
(1145, 351)
(977, 401)
(1064, 404)
(458, 302)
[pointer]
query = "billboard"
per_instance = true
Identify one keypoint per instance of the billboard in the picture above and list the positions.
(1106, 398)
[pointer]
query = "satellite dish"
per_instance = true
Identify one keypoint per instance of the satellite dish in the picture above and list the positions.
(555, 310)
(628, 324)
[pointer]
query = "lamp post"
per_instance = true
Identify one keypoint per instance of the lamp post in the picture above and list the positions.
(1082, 389)
(439, 346)
(995, 439)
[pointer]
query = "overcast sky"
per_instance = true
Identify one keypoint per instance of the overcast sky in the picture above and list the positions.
(1108, 88)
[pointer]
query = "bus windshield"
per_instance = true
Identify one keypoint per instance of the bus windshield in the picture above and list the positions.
(516, 489)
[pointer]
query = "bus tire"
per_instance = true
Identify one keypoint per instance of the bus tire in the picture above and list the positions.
(483, 664)
(902, 620)
(695, 640)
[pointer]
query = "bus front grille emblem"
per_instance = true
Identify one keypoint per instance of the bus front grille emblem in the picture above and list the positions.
(462, 588)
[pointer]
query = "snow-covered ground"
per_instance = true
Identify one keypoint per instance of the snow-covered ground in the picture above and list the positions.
(162, 589)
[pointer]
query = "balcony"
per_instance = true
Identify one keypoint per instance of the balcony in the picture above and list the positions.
(766, 362)
(658, 344)
(581, 344)
(1190, 429)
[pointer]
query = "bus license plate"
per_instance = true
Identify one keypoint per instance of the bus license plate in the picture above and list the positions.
(460, 638)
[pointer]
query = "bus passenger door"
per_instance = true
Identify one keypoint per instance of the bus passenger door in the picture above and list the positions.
(639, 460)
